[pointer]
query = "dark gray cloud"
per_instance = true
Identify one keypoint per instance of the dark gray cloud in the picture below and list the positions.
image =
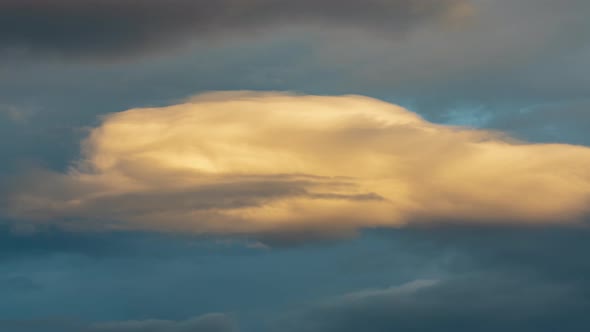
(452, 278)
(115, 27)
(467, 303)
(495, 279)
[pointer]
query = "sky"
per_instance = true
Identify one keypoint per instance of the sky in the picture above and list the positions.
(280, 165)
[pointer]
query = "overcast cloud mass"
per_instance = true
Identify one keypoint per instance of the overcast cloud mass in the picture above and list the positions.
(115, 27)
(281, 165)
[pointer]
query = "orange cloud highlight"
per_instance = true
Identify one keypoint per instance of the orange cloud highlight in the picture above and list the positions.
(258, 163)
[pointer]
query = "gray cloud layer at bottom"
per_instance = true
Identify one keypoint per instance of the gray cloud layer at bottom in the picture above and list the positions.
(449, 278)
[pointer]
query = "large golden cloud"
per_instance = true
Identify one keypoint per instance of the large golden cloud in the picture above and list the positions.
(258, 163)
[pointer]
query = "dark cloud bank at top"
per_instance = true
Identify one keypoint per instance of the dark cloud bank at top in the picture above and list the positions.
(121, 27)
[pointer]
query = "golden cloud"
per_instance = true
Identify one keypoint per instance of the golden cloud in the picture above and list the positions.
(257, 163)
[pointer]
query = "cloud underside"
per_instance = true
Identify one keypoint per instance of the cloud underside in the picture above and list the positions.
(119, 27)
(479, 304)
(272, 163)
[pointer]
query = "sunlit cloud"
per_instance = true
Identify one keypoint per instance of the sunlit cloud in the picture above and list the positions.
(274, 163)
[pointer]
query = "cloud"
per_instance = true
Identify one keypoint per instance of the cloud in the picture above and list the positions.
(514, 50)
(539, 273)
(464, 303)
(275, 163)
(115, 27)
(204, 323)
(486, 279)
